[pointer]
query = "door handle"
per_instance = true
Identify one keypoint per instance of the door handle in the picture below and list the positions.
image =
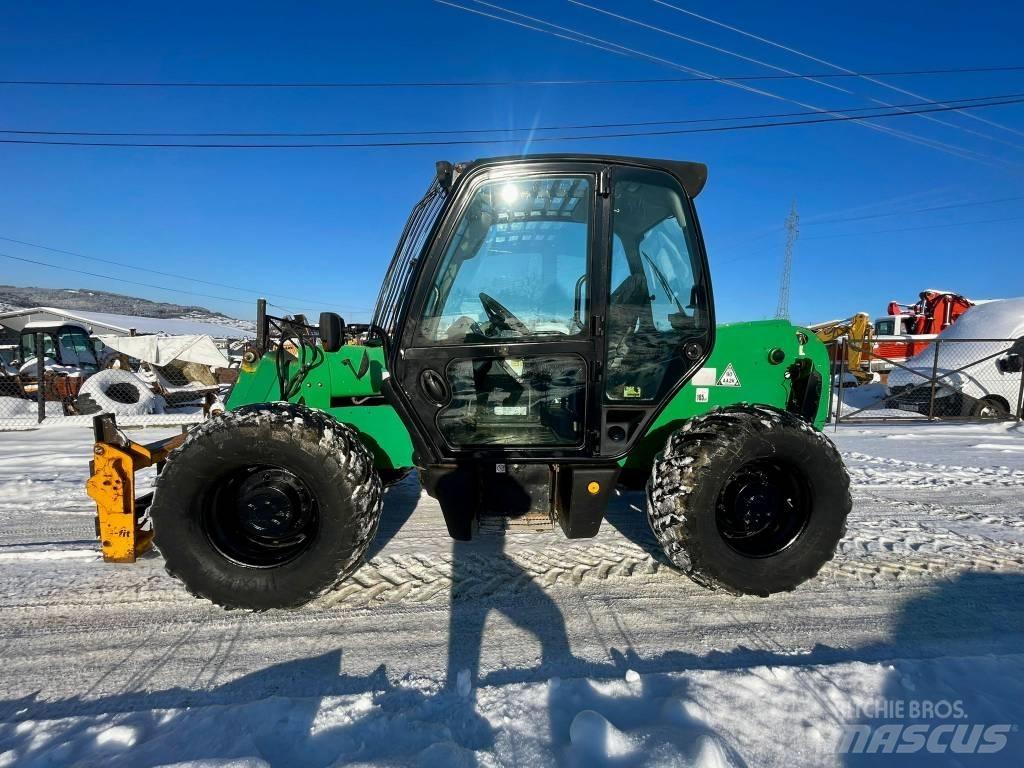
(434, 386)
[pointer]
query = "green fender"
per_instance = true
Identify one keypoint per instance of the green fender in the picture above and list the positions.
(739, 370)
(336, 388)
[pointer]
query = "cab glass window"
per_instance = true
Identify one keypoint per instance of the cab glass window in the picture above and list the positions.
(82, 345)
(656, 302)
(516, 266)
(28, 346)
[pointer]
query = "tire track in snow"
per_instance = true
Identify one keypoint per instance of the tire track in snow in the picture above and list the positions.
(903, 472)
(873, 550)
(945, 512)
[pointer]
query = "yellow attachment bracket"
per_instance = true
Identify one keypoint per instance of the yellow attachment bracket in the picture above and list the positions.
(119, 515)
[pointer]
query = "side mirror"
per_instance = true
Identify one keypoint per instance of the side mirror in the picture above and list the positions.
(1013, 362)
(444, 174)
(332, 331)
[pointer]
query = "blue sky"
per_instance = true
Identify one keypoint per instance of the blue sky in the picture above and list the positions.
(320, 225)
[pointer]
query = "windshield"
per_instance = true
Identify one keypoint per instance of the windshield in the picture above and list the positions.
(76, 349)
(516, 265)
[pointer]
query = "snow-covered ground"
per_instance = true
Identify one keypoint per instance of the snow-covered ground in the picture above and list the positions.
(529, 649)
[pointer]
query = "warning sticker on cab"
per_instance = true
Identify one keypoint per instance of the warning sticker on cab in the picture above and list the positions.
(729, 377)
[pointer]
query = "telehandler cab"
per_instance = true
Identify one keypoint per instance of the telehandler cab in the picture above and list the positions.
(545, 333)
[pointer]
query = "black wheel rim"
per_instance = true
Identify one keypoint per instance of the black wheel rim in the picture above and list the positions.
(260, 517)
(763, 508)
(990, 410)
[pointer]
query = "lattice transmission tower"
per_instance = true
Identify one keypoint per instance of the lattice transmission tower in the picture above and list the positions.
(792, 232)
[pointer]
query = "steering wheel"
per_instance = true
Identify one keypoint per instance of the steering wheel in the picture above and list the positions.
(502, 317)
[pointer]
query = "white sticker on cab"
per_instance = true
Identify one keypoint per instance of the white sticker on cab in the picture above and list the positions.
(705, 377)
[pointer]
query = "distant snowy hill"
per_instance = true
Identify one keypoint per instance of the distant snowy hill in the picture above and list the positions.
(80, 299)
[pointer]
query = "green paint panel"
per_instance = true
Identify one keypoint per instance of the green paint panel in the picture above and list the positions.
(336, 388)
(738, 371)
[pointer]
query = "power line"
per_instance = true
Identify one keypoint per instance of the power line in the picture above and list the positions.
(904, 212)
(840, 235)
(818, 60)
(832, 118)
(913, 229)
(818, 81)
(159, 272)
(914, 210)
(591, 41)
(530, 129)
(742, 57)
(501, 83)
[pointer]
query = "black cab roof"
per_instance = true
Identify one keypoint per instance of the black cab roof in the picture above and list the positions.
(692, 176)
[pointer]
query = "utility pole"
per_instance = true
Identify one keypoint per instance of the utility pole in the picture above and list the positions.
(792, 232)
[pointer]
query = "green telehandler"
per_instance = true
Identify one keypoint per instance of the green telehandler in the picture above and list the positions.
(545, 333)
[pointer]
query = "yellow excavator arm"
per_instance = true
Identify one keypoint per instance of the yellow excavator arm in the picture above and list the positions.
(857, 330)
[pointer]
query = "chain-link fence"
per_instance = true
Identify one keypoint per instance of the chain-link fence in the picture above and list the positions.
(40, 391)
(918, 379)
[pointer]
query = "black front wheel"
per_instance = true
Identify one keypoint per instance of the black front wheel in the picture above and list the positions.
(261, 516)
(267, 506)
(749, 499)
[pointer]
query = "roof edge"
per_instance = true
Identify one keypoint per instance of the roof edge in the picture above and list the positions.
(691, 175)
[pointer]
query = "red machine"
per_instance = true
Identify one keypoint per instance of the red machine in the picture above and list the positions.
(909, 328)
(932, 314)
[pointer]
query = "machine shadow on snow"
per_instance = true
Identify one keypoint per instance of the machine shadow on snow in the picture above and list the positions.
(400, 502)
(626, 514)
(974, 614)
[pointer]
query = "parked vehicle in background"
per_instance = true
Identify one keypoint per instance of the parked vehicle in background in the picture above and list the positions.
(977, 365)
(8, 355)
(64, 344)
(910, 328)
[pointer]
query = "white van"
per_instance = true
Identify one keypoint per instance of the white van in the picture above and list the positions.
(990, 388)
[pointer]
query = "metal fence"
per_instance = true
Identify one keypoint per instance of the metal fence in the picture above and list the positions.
(38, 394)
(949, 379)
(946, 379)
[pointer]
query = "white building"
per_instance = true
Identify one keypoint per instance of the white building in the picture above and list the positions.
(101, 323)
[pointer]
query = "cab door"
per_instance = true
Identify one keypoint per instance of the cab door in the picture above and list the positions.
(498, 353)
(660, 314)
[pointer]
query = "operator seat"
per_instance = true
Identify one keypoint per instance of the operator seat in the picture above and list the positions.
(626, 304)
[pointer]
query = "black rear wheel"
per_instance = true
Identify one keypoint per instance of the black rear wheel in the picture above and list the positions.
(267, 506)
(989, 408)
(763, 507)
(748, 499)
